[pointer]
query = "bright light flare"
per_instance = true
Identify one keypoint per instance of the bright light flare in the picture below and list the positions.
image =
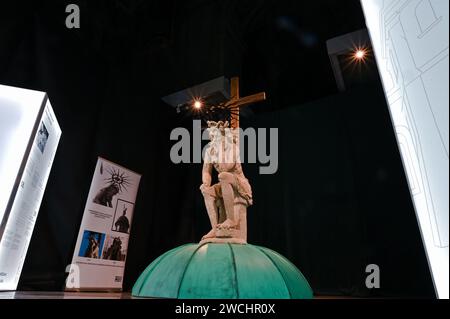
(360, 55)
(198, 105)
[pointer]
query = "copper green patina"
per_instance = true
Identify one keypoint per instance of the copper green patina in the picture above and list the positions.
(222, 271)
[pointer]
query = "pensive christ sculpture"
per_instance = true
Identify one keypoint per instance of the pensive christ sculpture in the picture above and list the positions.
(227, 201)
(208, 270)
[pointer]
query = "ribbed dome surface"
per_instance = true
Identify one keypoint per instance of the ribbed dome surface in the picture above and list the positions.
(222, 271)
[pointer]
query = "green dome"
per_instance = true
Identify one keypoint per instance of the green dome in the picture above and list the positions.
(222, 271)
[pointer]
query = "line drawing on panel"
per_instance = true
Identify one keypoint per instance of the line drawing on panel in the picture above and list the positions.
(421, 123)
(426, 16)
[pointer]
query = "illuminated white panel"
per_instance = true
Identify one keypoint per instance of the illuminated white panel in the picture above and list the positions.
(29, 135)
(19, 109)
(411, 43)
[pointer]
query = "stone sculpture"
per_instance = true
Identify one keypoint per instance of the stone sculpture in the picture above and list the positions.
(227, 201)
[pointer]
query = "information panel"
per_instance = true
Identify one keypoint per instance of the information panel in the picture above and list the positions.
(98, 261)
(411, 43)
(29, 136)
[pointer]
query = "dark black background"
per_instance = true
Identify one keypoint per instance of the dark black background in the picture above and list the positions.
(340, 200)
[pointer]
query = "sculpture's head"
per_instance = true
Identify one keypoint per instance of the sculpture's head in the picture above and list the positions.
(217, 130)
(223, 147)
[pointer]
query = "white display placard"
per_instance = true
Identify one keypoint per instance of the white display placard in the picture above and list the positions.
(411, 43)
(98, 261)
(29, 137)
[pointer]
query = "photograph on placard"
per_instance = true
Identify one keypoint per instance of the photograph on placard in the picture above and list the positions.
(92, 245)
(122, 216)
(42, 137)
(115, 248)
(116, 182)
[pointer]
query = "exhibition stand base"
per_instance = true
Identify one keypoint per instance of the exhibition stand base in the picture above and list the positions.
(222, 271)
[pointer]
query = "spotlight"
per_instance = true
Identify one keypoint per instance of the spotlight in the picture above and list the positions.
(352, 59)
(198, 105)
(360, 54)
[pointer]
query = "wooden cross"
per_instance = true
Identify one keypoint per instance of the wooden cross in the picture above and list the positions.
(236, 102)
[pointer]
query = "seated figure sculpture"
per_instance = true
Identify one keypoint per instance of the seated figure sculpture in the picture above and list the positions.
(227, 201)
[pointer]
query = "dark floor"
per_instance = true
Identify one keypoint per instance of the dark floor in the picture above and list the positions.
(86, 295)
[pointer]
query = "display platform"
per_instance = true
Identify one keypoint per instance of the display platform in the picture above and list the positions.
(222, 271)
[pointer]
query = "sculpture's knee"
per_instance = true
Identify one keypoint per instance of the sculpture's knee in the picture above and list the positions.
(209, 191)
(226, 178)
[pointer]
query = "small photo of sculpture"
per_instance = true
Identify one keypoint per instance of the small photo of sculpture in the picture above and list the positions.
(115, 248)
(42, 137)
(92, 244)
(122, 217)
(116, 182)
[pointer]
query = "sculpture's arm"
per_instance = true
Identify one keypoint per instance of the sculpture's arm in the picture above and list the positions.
(207, 174)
